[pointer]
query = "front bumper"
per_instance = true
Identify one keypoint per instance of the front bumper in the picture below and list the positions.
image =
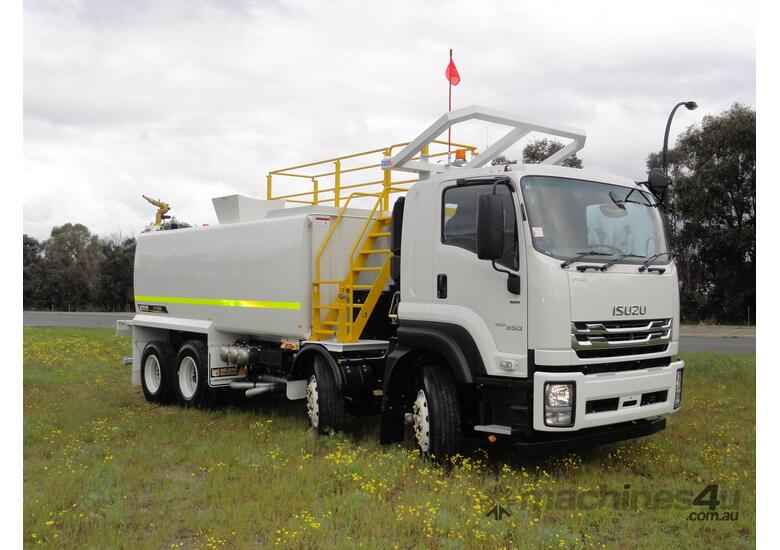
(610, 398)
(555, 443)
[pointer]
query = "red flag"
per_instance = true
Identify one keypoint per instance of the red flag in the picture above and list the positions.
(452, 73)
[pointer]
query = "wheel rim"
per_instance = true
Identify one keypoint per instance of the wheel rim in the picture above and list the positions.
(152, 373)
(422, 426)
(188, 377)
(313, 402)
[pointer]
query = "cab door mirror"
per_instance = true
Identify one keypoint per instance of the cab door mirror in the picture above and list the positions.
(490, 227)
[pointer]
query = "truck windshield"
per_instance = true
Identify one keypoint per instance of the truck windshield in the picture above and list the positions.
(569, 217)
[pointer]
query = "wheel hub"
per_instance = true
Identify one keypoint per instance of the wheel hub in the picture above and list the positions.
(421, 421)
(152, 373)
(313, 402)
(188, 377)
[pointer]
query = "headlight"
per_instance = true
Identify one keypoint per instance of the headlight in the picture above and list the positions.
(678, 390)
(559, 404)
(559, 395)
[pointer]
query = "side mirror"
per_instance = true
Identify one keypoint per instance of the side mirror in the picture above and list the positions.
(490, 227)
(658, 182)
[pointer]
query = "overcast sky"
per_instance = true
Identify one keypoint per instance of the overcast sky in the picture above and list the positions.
(193, 99)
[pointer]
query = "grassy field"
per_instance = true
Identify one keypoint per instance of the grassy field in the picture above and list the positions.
(105, 469)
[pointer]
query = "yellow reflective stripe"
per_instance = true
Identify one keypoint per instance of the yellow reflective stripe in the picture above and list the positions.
(215, 302)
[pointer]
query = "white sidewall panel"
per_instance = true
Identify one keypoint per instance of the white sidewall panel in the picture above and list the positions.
(261, 272)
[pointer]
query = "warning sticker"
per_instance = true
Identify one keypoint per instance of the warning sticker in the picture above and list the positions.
(537, 231)
(224, 371)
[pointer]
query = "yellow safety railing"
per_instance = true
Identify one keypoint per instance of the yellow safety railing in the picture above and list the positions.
(340, 313)
(317, 173)
(345, 319)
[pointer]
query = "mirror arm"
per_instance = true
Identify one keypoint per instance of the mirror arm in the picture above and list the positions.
(514, 289)
(500, 269)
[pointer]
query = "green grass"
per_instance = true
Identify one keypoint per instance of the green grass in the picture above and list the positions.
(105, 469)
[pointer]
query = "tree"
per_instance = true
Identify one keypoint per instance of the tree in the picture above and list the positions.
(74, 269)
(71, 265)
(713, 215)
(115, 278)
(500, 160)
(538, 150)
(32, 272)
(168, 225)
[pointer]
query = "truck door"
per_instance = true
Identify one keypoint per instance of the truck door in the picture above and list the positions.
(470, 292)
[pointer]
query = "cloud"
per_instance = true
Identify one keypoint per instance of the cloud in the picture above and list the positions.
(186, 100)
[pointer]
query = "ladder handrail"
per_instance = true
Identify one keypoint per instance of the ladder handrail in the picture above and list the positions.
(369, 219)
(349, 283)
(344, 319)
(317, 272)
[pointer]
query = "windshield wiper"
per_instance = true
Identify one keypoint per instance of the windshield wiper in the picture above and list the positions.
(617, 201)
(581, 255)
(649, 260)
(622, 203)
(616, 259)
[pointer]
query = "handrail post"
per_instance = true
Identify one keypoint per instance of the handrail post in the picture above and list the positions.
(337, 184)
(268, 188)
(315, 192)
(388, 176)
(342, 330)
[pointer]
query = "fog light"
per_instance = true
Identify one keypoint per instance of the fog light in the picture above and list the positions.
(558, 418)
(559, 404)
(678, 389)
(507, 365)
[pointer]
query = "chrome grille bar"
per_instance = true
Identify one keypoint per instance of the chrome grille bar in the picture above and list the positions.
(617, 334)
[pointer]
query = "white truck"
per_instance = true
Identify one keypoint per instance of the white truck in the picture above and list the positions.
(526, 301)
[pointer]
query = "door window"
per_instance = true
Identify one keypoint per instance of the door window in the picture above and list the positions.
(459, 215)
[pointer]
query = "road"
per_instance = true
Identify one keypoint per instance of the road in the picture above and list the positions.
(69, 319)
(718, 344)
(693, 338)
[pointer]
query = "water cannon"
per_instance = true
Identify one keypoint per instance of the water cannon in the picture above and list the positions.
(162, 209)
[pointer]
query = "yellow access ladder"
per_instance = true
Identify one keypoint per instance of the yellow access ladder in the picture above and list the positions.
(345, 317)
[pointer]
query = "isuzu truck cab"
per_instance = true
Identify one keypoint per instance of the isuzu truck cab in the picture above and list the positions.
(531, 302)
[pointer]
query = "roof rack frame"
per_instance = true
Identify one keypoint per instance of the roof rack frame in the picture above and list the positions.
(519, 128)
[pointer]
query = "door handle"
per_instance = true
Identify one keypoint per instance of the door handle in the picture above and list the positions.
(441, 286)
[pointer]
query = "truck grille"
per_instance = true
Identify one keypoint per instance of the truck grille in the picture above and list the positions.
(617, 338)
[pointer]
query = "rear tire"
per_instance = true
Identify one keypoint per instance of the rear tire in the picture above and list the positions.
(191, 375)
(324, 402)
(436, 413)
(156, 369)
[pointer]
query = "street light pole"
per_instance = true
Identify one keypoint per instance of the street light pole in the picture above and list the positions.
(690, 105)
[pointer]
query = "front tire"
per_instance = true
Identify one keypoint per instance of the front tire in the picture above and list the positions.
(156, 365)
(192, 387)
(435, 413)
(324, 402)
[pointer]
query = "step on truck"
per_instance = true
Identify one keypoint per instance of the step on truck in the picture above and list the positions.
(453, 298)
